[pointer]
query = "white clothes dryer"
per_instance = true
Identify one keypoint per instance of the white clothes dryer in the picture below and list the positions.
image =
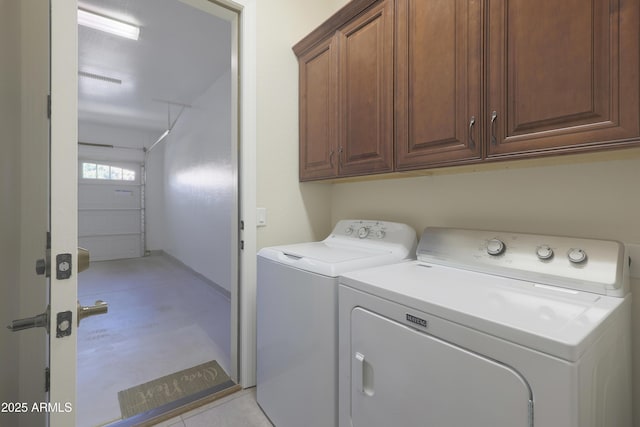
(488, 329)
(297, 304)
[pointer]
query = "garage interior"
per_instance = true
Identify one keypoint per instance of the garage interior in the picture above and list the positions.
(157, 198)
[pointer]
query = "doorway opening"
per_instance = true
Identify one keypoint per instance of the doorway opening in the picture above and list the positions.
(157, 197)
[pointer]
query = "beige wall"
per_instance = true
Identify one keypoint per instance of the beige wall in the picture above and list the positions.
(586, 195)
(34, 196)
(9, 199)
(295, 212)
(23, 199)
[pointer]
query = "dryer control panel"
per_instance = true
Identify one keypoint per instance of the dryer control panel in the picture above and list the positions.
(591, 265)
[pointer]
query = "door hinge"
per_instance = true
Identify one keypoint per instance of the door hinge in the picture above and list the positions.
(47, 380)
(241, 245)
(49, 106)
(241, 225)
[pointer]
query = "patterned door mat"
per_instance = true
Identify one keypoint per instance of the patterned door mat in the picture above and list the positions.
(173, 387)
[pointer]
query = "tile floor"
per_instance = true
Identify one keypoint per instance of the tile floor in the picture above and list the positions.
(237, 410)
(162, 318)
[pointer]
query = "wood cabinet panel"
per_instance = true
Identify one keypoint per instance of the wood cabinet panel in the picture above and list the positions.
(318, 112)
(411, 84)
(561, 75)
(366, 92)
(438, 82)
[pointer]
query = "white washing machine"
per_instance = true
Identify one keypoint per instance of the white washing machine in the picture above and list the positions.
(488, 329)
(297, 328)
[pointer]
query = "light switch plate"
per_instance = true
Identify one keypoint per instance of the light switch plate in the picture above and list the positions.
(261, 217)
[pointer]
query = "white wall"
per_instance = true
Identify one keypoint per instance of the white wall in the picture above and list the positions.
(154, 199)
(9, 198)
(200, 185)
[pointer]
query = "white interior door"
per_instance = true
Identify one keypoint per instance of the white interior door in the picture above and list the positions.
(46, 202)
(63, 211)
(401, 377)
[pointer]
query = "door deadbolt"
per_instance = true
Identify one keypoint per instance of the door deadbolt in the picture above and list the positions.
(84, 259)
(63, 264)
(43, 265)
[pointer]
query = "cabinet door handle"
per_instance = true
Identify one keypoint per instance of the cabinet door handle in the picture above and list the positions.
(472, 122)
(331, 158)
(494, 116)
(340, 157)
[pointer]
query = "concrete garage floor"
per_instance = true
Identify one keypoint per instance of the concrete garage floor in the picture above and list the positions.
(162, 318)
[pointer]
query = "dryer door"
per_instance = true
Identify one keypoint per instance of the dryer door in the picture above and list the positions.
(402, 377)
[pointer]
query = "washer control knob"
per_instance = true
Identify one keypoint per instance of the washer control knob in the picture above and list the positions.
(577, 255)
(495, 247)
(544, 252)
(349, 231)
(380, 234)
(363, 232)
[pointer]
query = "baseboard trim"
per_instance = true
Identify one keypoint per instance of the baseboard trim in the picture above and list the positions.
(222, 291)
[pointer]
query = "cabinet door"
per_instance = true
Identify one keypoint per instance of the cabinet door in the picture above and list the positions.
(404, 378)
(366, 92)
(438, 82)
(318, 112)
(561, 74)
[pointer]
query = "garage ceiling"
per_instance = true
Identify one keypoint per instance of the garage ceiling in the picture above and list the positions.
(180, 53)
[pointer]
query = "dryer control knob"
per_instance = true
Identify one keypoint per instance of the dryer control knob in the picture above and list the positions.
(349, 231)
(380, 234)
(544, 252)
(495, 247)
(577, 255)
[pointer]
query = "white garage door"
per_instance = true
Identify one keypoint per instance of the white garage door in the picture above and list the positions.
(110, 216)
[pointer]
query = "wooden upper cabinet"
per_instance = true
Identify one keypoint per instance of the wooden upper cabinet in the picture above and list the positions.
(318, 112)
(561, 75)
(407, 84)
(366, 92)
(346, 93)
(438, 82)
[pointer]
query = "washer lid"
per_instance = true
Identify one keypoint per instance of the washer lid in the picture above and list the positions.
(352, 245)
(557, 321)
(328, 260)
(331, 254)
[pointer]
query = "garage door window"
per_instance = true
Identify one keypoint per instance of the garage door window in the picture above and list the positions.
(108, 172)
(110, 208)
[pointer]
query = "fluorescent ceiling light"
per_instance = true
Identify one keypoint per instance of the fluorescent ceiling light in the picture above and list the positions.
(108, 25)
